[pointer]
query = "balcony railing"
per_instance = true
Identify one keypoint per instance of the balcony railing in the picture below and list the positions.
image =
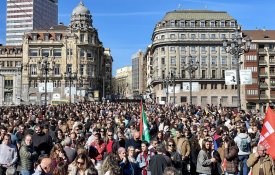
(263, 96)
(263, 85)
(263, 74)
(262, 51)
(262, 62)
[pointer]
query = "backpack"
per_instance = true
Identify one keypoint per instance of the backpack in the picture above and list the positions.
(244, 146)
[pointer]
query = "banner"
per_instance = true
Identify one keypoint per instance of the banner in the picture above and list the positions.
(171, 89)
(267, 136)
(41, 87)
(246, 76)
(230, 77)
(186, 87)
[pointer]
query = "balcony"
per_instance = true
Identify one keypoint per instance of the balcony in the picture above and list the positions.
(262, 63)
(263, 85)
(272, 74)
(272, 62)
(263, 74)
(262, 51)
(272, 85)
(271, 51)
(263, 96)
(272, 97)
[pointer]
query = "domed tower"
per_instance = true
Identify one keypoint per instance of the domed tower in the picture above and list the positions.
(81, 18)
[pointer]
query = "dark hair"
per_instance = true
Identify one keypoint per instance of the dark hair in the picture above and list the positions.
(242, 130)
(171, 171)
(61, 169)
(203, 144)
(145, 143)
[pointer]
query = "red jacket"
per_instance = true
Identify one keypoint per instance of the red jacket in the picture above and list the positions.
(101, 148)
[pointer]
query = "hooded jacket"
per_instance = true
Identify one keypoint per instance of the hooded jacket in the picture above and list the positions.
(238, 140)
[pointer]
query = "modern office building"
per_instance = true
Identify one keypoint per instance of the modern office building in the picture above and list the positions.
(138, 74)
(261, 60)
(10, 75)
(123, 83)
(24, 16)
(195, 36)
(70, 60)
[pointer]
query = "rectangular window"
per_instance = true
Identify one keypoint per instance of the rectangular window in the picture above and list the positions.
(203, 73)
(183, 74)
(203, 60)
(182, 36)
(172, 49)
(69, 52)
(203, 36)
(193, 36)
(163, 60)
(81, 37)
(203, 49)
(192, 23)
(57, 52)
(224, 60)
(202, 23)
(212, 24)
(69, 68)
(89, 54)
(223, 36)
(182, 61)
(81, 70)
(33, 69)
(57, 69)
(173, 61)
(222, 24)
(33, 52)
(45, 52)
(213, 49)
(82, 53)
(214, 60)
(193, 49)
(234, 61)
(213, 36)
(182, 49)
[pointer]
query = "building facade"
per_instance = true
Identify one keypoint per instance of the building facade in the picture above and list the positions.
(123, 83)
(261, 60)
(10, 75)
(24, 16)
(138, 74)
(70, 61)
(196, 36)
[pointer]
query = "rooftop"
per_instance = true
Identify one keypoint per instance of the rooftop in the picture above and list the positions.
(197, 15)
(260, 34)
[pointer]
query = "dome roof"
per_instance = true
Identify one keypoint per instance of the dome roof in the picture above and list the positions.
(81, 9)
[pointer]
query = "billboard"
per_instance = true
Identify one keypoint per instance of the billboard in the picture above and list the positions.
(41, 87)
(230, 77)
(246, 76)
(186, 87)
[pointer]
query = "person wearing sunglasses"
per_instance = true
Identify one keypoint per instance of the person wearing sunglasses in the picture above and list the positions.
(80, 165)
(174, 155)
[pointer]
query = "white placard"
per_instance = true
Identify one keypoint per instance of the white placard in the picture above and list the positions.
(56, 96)
(171, 89)
(41, 87)
(67, 91)
(246, 76)
(186, 87)
(230, 77)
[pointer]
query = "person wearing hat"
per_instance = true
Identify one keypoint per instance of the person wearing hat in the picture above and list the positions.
(160, 161)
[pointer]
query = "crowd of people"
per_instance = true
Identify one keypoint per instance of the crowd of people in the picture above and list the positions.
(103, 138)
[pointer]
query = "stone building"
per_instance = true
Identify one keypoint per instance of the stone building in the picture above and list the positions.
(10, 75)
(194, 35)
(72, 59)
(123, 83)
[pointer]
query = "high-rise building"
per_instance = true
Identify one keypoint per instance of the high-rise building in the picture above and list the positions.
(261, 61)
(185, 36)
(24, 16)
(138, 74)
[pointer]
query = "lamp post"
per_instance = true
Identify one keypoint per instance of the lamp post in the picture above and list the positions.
(44, 66)
(191, 66)
(166, 82)
(71, 76)
(237, 47)
(19, 73)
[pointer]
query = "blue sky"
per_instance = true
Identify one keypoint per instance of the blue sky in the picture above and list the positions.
(126, 26)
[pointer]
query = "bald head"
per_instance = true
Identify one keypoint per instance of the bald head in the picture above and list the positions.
(136, 135)
(261, 149)
(46, 165)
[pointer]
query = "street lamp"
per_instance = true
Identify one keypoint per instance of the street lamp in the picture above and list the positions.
(44, 66)
(166, 82)
(237, 48)
(191, 66)
(71, 76)
(19, 73)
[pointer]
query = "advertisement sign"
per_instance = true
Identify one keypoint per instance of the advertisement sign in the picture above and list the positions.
(246, 76)
(186, 87)
(171, 89)
(230, 77)
(41, 87)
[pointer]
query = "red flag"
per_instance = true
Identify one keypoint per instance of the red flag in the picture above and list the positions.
(267, 137)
